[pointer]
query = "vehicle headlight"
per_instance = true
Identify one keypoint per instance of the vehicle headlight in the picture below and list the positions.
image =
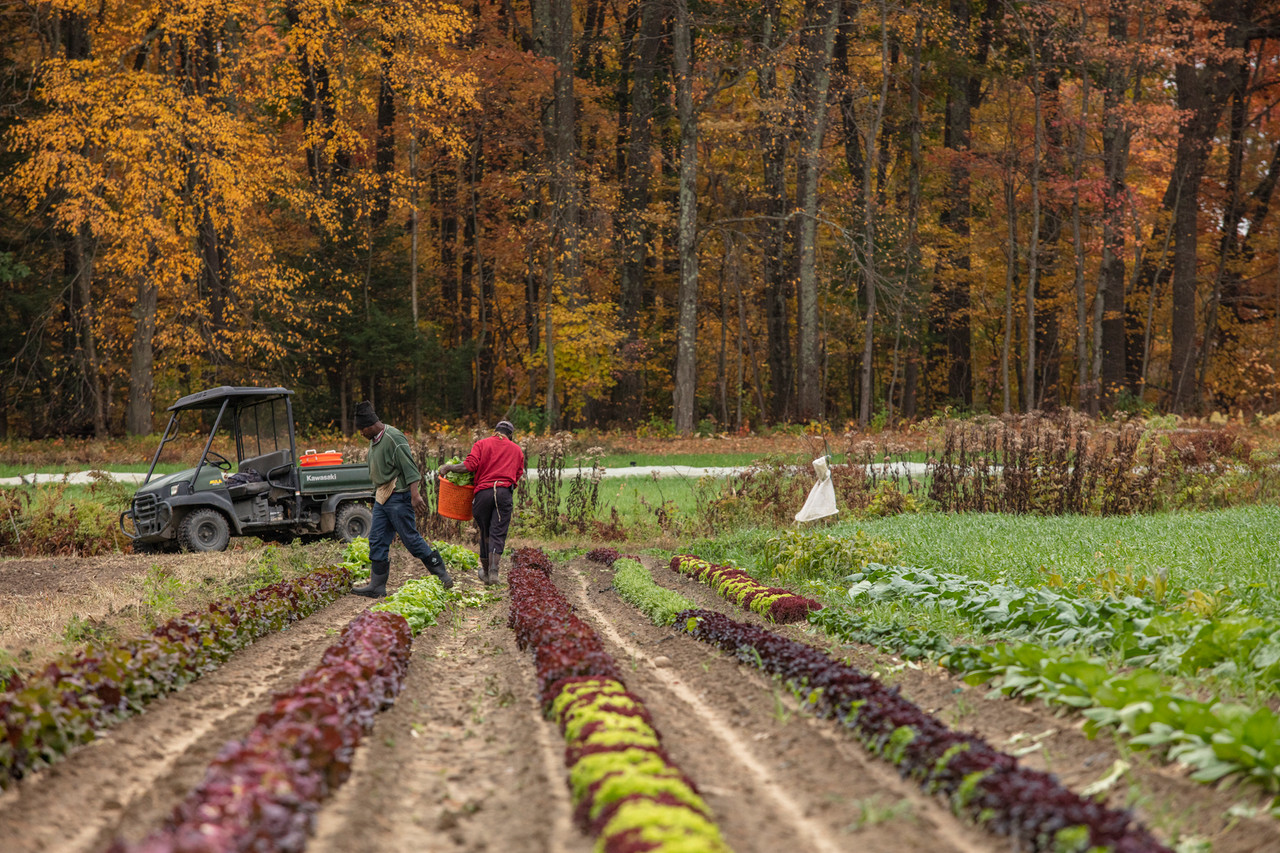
(173, 490)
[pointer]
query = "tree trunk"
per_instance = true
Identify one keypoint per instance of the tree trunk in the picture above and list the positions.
(1033, 254)
(447, 199)
(566, 261)
(413, 282)
(1086, 392)
(85, 249)
(1201, 96)
(141, 381)
(1229, 243)
(871, 199)
(777, 283)
(813, 125)
(744, 335)
(846, 98)
(1247, 305)
(384, 142)
(476, 269)
(1115, 159)
(951, 315)
(470, 271)
(1203, 88)
(722, 362)
(636, 171)
(532, 298)
(686, 372)
(1010, 277)
(1049, 310)
(633, 236)
(911, 374)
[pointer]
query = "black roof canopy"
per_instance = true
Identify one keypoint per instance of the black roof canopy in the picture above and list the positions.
(213, 398)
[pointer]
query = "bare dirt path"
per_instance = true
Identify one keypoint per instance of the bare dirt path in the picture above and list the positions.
(463, 761)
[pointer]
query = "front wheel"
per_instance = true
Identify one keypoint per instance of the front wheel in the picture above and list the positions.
(204, 530)
(353, 521)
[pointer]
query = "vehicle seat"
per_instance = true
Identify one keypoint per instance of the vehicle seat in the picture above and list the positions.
(264, 463)
(243, 490)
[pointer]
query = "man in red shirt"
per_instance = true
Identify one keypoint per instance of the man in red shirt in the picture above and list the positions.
(496, 464)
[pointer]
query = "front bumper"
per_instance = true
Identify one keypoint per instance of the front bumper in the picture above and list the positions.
(149, 516)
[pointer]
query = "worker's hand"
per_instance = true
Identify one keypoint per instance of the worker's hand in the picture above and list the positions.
(416, 498)
(450, 469)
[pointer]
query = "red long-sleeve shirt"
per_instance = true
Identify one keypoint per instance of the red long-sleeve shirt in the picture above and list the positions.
(495, 461)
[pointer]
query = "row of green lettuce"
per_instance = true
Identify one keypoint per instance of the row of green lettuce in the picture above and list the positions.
(422, 600)
(456, 558)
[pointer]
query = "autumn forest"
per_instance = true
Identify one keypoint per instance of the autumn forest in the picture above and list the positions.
(629, 212)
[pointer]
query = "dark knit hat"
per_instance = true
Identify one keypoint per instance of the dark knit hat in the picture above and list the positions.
(505, 426)
(365, 415)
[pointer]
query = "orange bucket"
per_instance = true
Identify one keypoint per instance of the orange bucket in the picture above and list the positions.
(454, 501)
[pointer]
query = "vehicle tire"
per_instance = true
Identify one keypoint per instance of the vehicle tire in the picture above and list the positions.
(353, 521)
(204, 530)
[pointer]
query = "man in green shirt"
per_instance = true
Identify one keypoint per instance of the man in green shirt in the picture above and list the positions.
(396, 499)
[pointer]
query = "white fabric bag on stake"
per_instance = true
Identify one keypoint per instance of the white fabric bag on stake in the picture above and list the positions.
(822, 497)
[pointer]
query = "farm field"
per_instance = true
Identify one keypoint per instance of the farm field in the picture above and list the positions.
(1031, 649)
(464, 759)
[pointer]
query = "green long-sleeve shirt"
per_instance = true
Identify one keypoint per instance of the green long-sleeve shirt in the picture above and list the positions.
(390, 459)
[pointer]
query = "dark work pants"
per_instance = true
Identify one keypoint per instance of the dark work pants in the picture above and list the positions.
(491, 509)
(395, 517)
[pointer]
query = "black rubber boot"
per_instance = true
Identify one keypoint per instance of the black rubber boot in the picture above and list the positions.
(377, 585)
(495, 564)
(484, 571)
(435, 565)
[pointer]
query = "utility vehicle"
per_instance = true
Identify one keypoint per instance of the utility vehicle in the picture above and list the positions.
(273, 493)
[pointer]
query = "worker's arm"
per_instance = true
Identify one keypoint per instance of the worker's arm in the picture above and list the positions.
(409, 470)
(471, 463)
